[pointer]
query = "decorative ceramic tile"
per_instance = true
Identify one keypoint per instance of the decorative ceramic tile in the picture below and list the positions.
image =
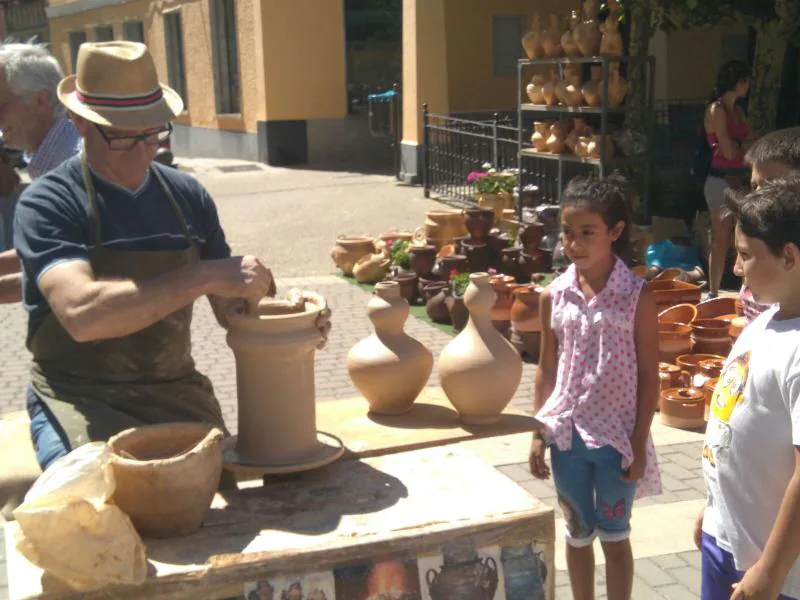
(311, 586)
(390, 578)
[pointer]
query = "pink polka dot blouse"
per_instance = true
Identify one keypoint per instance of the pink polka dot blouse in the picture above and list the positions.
(597, 381)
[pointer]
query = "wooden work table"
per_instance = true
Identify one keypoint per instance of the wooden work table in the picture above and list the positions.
(436, 522)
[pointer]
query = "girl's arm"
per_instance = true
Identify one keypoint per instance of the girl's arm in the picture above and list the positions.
(646, 340)
(548, 355)
(719, 125)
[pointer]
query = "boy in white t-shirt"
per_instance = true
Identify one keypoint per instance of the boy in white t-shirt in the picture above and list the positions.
(749, 534)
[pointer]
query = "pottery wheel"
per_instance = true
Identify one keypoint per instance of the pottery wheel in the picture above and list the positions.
(328, 449)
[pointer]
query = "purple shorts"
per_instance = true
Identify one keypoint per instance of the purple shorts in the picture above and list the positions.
(718, 572)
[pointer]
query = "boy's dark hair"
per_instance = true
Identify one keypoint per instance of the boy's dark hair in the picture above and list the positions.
(610, 197)
(781, 146)
(770, 213)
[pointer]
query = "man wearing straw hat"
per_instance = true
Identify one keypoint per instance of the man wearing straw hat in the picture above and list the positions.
(115, 249)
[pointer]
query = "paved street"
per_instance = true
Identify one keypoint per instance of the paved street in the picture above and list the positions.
(290, 219)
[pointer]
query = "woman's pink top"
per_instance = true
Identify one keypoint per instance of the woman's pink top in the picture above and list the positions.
(737, 131)
(597, 377)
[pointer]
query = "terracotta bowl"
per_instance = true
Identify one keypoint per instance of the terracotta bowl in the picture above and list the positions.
(716, 328)
(725, 318)
(680, 313)
(716, 307)
(670, 293)
(691, 362)
(166, 476)
(669, 274)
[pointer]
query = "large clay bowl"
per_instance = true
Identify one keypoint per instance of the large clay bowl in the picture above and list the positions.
(710, 336)
(166, 476)
(670, 293)
(674, 339)
(716, 307)
(349, 249)
(691, 362)
(680, 313)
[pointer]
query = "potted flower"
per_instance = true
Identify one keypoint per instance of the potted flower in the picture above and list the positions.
(495, 188)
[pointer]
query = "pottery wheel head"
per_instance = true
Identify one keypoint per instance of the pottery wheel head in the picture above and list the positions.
(296, 302)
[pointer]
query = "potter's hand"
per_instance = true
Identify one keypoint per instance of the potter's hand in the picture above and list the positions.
(9, 180)
(323, 323)
(242, 277)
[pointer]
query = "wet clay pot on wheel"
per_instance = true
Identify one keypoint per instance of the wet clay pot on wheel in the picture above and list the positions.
(389, 368)
(479, 369)
(166, 476)
(683, 408)
(710, 336)
(674, 340)
(479, 223)
(349, 249)
(274, 350)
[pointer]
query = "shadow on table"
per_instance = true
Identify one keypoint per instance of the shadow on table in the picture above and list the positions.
(432, 416)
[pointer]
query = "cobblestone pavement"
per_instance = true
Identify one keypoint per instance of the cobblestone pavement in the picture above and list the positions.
(290, 218)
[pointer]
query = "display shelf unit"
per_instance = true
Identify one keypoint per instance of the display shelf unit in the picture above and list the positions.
(602, 115)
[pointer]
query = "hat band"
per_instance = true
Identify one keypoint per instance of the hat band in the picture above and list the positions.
(120, 102)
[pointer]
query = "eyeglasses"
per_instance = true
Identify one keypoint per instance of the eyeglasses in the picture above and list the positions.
(128, 142)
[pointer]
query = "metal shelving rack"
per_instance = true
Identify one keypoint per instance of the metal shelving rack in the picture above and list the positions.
(525, 109)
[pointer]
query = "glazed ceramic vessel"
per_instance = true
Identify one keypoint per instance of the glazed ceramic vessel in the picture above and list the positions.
(479, 369)
(389, 368)
(683, 408)
(716, 307)
(509, 262)
(672, 376)
(674, 340)
(568, 44)
(349, 249)
(530, 236)
(479, 223)
(531, 41)
(479, 255)
(535, 89)
(166, 476)
(670, 293)
(372, 267)
(691, 362)
(551, 38)
(736, 327)
(422, 258)
(680, 313)
(525, 309)
(587, 33)
(710, 336)
(408, 283)
(448, 264)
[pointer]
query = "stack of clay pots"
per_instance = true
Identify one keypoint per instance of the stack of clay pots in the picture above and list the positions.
(693, 341)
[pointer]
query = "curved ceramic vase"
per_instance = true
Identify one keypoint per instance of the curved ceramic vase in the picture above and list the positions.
(274, 351)
(531, 41)
(166, 476)
(479, 369)
(389, 368)
(567, 40)
(587, 34)
(349, 249)
(371, 268)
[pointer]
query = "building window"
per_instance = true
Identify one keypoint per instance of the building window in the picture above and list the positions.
(76, 38)
(104, 33)
(176, 73)
(226, 56)
(133, 31)
(506, 49)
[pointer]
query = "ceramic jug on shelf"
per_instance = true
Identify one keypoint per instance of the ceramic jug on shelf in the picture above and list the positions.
(531, 41)
(595, 146)
(551, 38)
(572, 94)
(579, 128)
(555, 143)
(568, 44)
(592, 92)
(587, 34)
(541, 132)
(549, 89)
(611, 40)
(617, 86)
(535, 89)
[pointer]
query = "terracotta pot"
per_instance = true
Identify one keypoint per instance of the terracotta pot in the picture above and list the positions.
(736, 327)
(166, 476)
(568, 44)
(571, 92)
(611, 38)
(496, 203)
(372, 267)
(683, 408)
(674, 340)
(530, 236)
(670, 293)
(408, 283)
(349, 249)
(711, 368)
(479, 256)
(708, 393)
(423, 258)
(539, 261)
(551, 38)
(591, 90)
(587, 33)
(579, 128)
(509, 263)
(541, 132)
(555, 143)
(458, 241)
(535, 89)
(479, 223)
(617, 86)
(524, 313)
(716, 307)
(549, 89)
(669, 274)
(446, 250)
(459, 315)
(503, 286)
(680, 313)
(436, 305)
(479, 369)
(594, 149)
(389, 368)
(448, 264)
(672, 376)
(710, 336)
(441, 226)
(531, 41)
(691, 362)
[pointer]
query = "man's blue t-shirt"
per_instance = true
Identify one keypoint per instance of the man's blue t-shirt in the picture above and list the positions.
(53, 223)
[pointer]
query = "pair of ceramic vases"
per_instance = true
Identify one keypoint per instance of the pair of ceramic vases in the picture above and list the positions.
(479, 370)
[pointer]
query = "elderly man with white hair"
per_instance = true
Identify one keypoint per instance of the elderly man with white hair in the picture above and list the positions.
(33, 120)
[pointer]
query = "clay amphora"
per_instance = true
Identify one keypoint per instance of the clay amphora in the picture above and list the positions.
(525, 572)
(683, 408)
(531, 41)
(582, 146)
(436, 306)
(571, 92)
(479, 223)
(568, 44)
(389, 368)
(422, 258)
(674, 340)
(551, 38)
(710, 336)
(555, 143)
(617, 86)
(463, 575)
(535, 89)
(408, 286)
(479, 255)
(350, 248)
(372, 267)
(691, 362)
(549, 89)
(541, 131)
(592, 92)
(479, 369)
(525, 308)
(579, 127)
(710, 368)
(587, 33)
(611, 40)
(596, 145)
(166, 476)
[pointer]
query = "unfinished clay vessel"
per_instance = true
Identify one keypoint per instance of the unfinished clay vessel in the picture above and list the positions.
(389, 368)
(617, 86)
(592, 92)
(571, 92)
(611, 38)
(579, 129)
(349, 249)
(166, 476)
(479, 369)
(568, 43)
(549, 89)
(372, 267)
(535, 89)
(531, 41)
(551, 38)
(541, 131)
(594, 150)
(555, 143)
(587, 33)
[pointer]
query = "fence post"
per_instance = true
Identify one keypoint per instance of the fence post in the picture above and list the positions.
(495, 120)
(425, 151)
(398, 129)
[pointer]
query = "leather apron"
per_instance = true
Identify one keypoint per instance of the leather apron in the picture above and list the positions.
(97, 389)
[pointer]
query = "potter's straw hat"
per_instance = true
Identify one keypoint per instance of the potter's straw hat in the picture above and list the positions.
(116, 85)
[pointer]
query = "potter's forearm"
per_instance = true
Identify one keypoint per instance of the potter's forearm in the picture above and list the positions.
(783, 545)
(11, 288)
(9, 262)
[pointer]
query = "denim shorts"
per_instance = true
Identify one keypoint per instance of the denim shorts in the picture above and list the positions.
(592, 495)
(49, 439)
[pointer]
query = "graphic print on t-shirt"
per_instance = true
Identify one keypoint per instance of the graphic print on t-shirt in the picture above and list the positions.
(728, 395)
